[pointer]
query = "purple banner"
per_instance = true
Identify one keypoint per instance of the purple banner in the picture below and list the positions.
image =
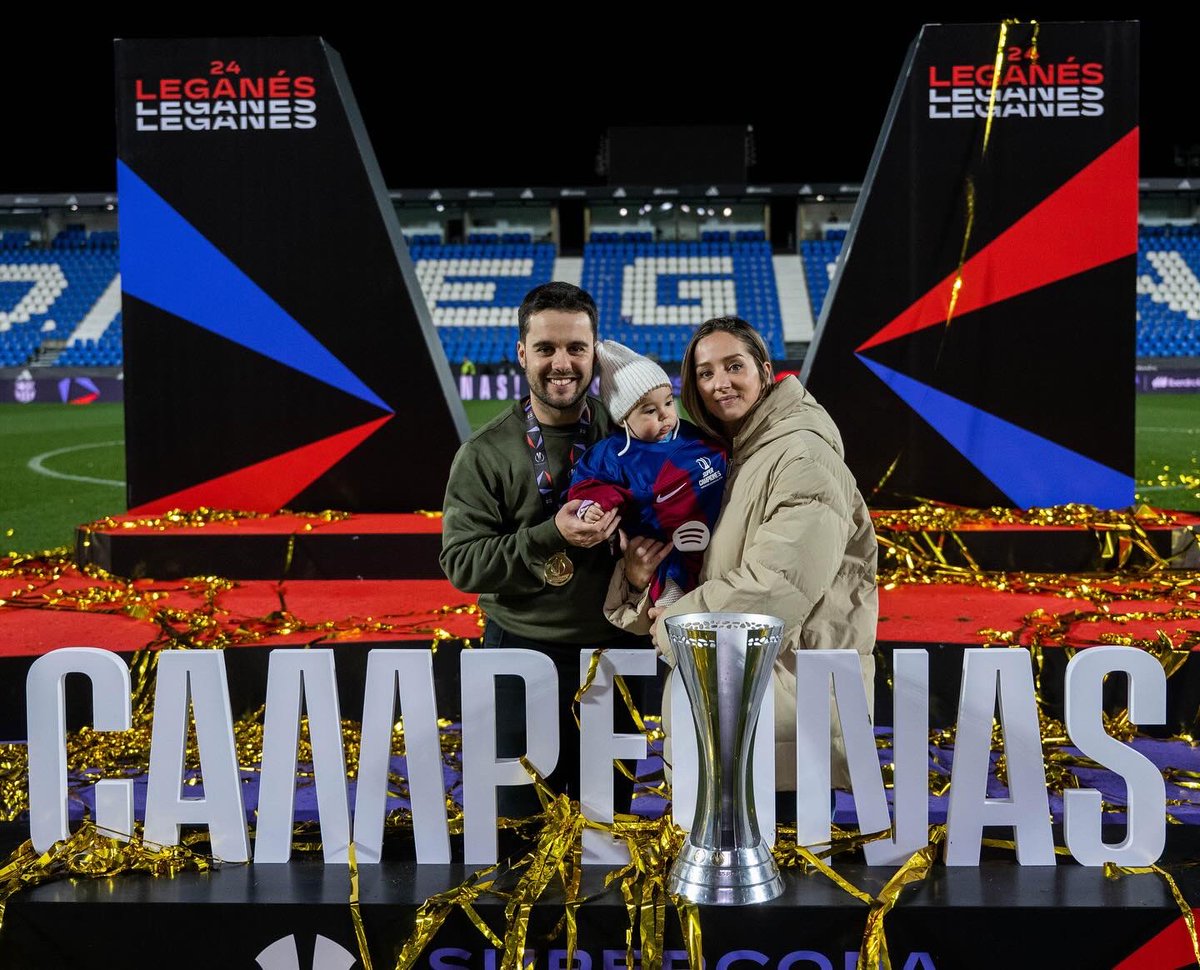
(1176, 380)
(78, 388)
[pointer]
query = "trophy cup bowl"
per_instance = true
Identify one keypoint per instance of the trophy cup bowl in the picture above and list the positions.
(725, 660)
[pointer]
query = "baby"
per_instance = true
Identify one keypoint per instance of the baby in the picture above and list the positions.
(664, 476)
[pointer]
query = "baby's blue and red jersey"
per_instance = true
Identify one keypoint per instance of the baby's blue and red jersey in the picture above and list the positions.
(667, 490)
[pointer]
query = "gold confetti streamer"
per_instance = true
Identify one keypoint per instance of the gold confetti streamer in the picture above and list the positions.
(360, 932)
(1114, 871)
(203, 516)
(997, 70)
(873, 951)
(968, 231)
(92, 853)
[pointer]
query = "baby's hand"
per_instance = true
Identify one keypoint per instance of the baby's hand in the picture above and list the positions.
(593, 513)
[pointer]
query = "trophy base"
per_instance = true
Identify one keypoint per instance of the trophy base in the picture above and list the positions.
(730, 877)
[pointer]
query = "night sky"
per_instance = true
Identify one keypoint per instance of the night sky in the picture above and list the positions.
(490, 102)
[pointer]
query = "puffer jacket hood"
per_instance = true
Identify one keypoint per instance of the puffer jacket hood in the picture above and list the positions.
(789, 408)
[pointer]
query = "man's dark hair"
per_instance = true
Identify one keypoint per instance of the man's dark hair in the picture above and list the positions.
(555, 295)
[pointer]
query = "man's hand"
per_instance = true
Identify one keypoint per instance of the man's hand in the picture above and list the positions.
(576, 532)
(642, 558)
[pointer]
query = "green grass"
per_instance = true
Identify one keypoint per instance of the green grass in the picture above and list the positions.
(480, 413)
(1168, 450)
(39, 512)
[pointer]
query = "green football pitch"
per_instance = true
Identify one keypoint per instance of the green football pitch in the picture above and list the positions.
(62, 465)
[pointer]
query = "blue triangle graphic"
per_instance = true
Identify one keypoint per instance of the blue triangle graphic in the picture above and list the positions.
(1029, 469)
(168, 263)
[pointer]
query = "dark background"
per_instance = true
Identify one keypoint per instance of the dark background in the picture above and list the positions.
(471, 99)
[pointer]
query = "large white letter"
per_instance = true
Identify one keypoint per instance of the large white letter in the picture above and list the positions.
(1145, 791)
(1027, 807)
(197, 676)
(814, 669)
(482, 770)
(422, 755)
(599, 746)
(684, 757)
(46, 713)
(293, 676)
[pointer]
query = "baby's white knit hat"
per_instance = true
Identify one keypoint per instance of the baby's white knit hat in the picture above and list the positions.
(625, 376)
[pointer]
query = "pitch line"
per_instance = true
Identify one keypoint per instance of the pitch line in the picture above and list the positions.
(36, 464)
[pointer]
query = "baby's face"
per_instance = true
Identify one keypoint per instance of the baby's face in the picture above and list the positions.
(653, 418)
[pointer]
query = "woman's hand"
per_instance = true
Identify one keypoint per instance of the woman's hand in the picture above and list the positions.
(642, 558)
(658, 637)
(656, 622)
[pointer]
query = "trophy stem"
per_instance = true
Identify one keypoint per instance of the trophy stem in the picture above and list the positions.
(725, 660)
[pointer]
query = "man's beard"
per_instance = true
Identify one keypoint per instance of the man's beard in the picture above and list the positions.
(538, 387)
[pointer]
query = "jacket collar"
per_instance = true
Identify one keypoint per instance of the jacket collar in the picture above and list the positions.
(788, 408)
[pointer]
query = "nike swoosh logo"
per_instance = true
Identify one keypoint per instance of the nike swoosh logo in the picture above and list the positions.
(663, 498)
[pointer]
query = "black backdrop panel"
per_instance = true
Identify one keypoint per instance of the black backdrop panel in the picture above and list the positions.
(1025, 396)
(278, 347)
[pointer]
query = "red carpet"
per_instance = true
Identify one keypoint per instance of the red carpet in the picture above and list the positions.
(75, 610)
(282, 523)
(78, 611)
(949, 613)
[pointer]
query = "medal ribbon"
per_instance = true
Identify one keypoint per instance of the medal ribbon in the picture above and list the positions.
(552, 499)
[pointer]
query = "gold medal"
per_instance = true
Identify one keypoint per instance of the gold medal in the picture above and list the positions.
(558, 569)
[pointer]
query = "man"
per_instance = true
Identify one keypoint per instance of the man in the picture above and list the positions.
(541, 571)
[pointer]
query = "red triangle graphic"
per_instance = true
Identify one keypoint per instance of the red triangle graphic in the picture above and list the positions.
(268, 485)
(1088, 221)
(1170, 948)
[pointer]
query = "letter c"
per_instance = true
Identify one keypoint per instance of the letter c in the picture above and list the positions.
(733, 956)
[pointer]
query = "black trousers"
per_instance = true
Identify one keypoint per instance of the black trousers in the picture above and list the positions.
(517, 801)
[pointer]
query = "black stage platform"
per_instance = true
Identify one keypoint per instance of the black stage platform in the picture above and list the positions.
(373, 547)
(997, 915)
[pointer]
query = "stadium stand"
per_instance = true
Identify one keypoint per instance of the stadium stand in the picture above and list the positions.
(652, 296)
(627, 235)
(15, 239)
(473, 292)
(47, 294)
(820, 259)
(1168, 291)
(102, 351)
(484, 237)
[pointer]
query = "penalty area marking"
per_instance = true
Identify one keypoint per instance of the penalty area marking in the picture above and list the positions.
(36, 464)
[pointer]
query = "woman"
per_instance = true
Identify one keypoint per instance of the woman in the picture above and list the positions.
(794, 538)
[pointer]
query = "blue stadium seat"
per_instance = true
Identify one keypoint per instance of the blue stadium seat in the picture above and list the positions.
(1168, 291)
(652, 296)
(473, 291)
(46, 293)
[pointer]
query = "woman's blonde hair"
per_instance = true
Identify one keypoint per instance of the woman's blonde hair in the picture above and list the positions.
(690, 393)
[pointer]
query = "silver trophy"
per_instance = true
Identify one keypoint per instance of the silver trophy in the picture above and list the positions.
(725, 660)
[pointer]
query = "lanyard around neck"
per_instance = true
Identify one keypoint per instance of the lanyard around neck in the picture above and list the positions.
(552, 498)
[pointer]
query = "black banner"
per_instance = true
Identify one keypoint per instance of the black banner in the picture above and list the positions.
(978, 337)
(260, 254)
(283, 916)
